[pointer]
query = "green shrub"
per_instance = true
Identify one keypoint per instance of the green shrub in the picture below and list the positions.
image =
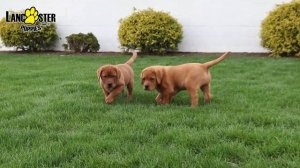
(280, 30)
(82, 43)
(150, 31)
(13, 36)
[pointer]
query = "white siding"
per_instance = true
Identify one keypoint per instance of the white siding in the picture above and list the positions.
(209, 25)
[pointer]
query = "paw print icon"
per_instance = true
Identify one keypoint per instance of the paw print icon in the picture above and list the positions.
(32, 15)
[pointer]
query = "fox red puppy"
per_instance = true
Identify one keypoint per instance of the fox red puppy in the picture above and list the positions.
(169, 80)
(113, 79)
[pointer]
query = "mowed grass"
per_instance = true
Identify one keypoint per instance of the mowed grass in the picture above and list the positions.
(52, 114)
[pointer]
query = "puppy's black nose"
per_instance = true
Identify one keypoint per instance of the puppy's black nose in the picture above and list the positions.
(146, 87)
(109, 85)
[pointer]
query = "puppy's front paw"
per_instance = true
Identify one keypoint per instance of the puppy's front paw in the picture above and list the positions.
(158, 100)
(109, 100)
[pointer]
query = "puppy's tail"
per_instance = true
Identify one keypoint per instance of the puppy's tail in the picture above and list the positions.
(131, 60)
(216, 61)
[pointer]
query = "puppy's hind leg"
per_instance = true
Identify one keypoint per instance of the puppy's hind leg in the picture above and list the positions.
(206, 92)
(193, 92)
(130, 90)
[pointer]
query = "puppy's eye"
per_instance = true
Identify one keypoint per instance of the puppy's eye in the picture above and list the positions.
(104, 76)
(152, 79)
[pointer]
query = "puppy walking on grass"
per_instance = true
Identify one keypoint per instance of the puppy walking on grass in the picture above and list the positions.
(113, 79)
(169, 80)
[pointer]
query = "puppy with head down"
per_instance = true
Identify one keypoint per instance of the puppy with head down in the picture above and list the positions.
(113, 79)
(169, 80)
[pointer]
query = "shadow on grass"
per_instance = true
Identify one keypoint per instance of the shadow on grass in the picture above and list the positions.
(144, 98)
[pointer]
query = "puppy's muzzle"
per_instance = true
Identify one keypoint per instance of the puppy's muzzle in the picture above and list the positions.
(109, 85)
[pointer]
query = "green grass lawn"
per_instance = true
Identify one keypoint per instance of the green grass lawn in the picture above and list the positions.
(52, 114)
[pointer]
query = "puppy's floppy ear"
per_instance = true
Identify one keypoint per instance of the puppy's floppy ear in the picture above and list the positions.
(99, 71)
(141, 76)
(159, 72)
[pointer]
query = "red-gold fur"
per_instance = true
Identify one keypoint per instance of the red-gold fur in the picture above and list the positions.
(113, 79)
(169, 80)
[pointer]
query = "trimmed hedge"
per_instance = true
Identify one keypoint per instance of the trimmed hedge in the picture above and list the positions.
(12, 36)
(280, 30)
(82, 43)
(150, 31)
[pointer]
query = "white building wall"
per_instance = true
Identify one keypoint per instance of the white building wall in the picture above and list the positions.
(209, 25)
